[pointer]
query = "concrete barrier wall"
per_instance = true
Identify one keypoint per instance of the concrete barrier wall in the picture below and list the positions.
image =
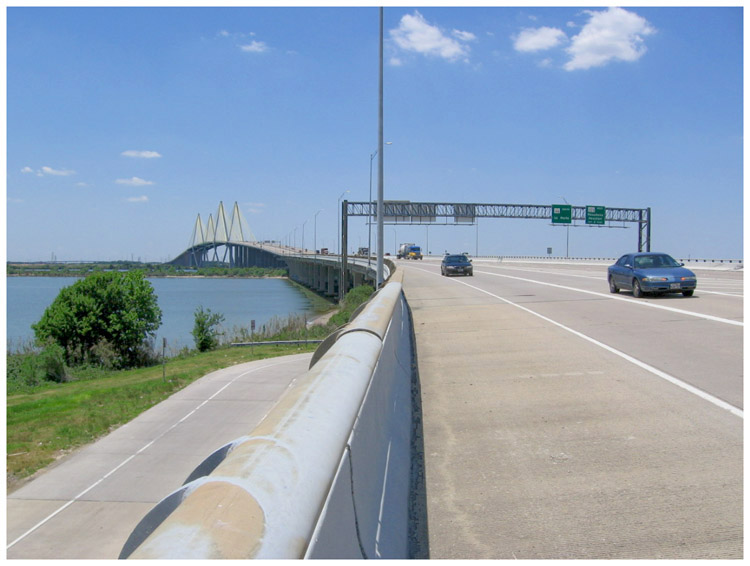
(326, 474)
(366, 514)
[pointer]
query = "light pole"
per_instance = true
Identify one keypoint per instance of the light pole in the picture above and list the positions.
(379, 265)
(369, 209)
(567, 232)
(338, 222)
(315, 232)
(303, 236)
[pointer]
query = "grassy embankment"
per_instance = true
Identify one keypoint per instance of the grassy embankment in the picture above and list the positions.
(46, 421)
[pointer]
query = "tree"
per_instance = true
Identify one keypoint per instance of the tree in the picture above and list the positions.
(204, 331)
(119, 309)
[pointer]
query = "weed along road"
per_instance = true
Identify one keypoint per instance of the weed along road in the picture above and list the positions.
(562, 421)
(88, 504)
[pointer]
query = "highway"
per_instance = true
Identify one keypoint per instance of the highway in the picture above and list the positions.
(562, 421)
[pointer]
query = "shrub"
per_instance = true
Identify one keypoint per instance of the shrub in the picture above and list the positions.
(51, 362)
(205, 333)
(118, 308)
(352, 300)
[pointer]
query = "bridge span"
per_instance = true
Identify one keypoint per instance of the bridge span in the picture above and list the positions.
(230, 243)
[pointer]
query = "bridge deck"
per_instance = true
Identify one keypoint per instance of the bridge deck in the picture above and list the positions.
(539, 444)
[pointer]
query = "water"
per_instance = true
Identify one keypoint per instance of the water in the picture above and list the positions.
(239, 300)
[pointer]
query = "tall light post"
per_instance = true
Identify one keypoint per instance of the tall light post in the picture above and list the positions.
(369, 209)
(315, 232)
(338, 222)
(303, 235)
(567, 233)
(380, 159)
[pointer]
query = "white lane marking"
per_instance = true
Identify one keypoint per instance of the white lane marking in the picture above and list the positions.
(731, 284)
(129, 458)
(616, 298)
(724, 294)
(692, 389)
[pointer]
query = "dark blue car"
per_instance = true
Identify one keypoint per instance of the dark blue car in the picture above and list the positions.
(456, 264)
(648, 272)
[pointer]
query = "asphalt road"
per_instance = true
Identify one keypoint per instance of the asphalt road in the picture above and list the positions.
(87, 504)
(562, 421)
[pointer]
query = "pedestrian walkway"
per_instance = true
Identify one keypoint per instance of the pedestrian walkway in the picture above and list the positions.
(86, 505)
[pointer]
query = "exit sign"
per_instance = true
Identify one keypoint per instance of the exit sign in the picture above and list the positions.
(595, 214)
(562, 214)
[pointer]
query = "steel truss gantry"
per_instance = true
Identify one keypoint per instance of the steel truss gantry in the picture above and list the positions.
(406, 212)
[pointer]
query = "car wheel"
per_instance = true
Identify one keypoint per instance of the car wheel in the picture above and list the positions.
(612, 287)
(637, 291)
(687, 293)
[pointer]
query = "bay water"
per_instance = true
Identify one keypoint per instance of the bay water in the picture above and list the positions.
(240, 300)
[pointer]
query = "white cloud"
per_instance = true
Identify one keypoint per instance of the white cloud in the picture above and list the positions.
(58, 172)
(415, 34)
(255, 47)
(141, 154)
(538, 39)
(254, 207)
(612, 34)
(463, 35)
(134, 182)
(143, 198)
(27, 170)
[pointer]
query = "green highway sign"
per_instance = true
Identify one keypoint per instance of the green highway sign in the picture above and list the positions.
(562, 214)
(595, 214)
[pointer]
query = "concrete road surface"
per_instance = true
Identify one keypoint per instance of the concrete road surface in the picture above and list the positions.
(87, 505)
(561, 421)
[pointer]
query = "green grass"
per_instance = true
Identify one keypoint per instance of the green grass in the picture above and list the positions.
(59, 417)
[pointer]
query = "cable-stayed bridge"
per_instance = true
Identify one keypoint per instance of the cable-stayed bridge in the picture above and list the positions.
(230, 242)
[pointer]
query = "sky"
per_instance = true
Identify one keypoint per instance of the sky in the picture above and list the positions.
(126, 123)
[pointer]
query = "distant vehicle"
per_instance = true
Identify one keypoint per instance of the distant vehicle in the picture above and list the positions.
(363, 251)
(456, 264)
(403, 250)
(324, 251)
(415, 252)
(647, 272)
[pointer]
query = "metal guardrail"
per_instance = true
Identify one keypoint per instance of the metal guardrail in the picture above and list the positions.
(266, 495)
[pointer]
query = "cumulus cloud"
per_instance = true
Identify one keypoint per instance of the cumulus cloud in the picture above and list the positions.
(58, 172)
(142, 198)
(539, 39)
(255, 47)
(27, 170)
(415, 34)
(141, 154)
(612, 34)
(134, 182)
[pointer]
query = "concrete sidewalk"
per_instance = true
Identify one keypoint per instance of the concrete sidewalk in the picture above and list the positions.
(86, 505)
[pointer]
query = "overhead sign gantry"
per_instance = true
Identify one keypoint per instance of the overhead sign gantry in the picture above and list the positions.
(406, 212)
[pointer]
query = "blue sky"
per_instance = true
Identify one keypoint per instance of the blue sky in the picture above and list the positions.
(123, 124)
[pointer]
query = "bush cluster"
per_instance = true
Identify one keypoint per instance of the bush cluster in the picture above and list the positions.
(106, 318)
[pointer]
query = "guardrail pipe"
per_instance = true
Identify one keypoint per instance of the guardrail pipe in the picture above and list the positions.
(326, 474)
